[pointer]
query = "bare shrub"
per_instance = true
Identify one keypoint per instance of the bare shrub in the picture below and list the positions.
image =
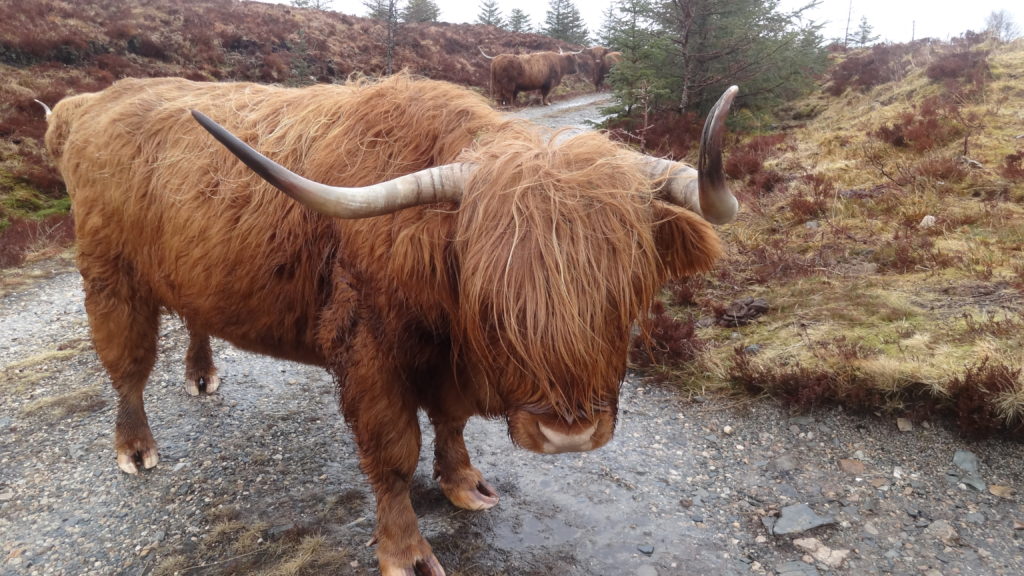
(22, 237)
(665, 341)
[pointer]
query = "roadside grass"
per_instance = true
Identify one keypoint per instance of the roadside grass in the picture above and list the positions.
(60, 407)
(894, 274)
(236, 544)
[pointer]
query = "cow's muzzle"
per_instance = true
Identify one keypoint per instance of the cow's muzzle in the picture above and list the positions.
(551, 434)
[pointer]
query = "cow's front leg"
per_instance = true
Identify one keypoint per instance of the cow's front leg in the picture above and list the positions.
(383, 417)
(463, 484)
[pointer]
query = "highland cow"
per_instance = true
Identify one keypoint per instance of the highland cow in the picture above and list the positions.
(443, 258)
(515, 73)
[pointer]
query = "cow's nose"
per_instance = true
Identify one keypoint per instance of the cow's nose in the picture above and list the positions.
(556, 442)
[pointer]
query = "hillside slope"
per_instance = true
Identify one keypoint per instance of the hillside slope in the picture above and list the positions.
(884, 235)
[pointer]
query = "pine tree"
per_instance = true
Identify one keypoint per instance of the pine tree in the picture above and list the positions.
(519, 21)
(490, 14)
(379, 9)
(420, 11)
(563, 22)
(684, 53)
(862, 37)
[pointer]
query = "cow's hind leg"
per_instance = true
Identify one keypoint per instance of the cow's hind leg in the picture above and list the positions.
(125, 326)
(200, 371)
(460, 481)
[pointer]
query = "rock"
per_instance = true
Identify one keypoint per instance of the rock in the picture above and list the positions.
(903, 424)
(646, 549)
(6, 495)
(646, 570)
(728, 430)
(1002, 491)
(799, 518)
(742, 312)
(822, 553)
(966, 461)
(851, 466)
(943, 531)
(927, 222)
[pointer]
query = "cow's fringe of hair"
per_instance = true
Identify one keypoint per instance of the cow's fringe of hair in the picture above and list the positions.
(562, 247)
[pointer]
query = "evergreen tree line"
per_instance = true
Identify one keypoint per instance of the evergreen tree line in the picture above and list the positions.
(682, 54)
(677, 54)
(563, 20)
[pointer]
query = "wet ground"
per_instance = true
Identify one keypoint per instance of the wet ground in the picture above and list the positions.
(687, 486)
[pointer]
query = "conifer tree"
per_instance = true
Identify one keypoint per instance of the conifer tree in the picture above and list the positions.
(863, 37)
(420, 11)
(490, 14)
(563, 22)
(519, 21)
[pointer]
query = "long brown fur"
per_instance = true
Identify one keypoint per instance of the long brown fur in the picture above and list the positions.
(515, 73)
(517, 301)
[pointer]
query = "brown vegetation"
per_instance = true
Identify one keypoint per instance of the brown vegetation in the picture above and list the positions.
(885, 233)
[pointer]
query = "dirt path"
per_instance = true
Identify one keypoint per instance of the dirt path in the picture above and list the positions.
(263, 476)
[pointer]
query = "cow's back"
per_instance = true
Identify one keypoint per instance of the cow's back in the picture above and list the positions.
(204, 236)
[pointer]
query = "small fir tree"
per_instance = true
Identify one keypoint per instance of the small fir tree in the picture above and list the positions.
(490, 14)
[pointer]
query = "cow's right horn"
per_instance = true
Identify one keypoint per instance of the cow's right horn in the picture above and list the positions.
(704, 190)
(437, 184)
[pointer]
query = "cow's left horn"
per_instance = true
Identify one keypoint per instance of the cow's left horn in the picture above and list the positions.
(703, 190)
(438, 184)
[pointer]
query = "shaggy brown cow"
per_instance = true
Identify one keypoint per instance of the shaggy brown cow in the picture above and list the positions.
(596, 62)
(515, 73)
(478, 266)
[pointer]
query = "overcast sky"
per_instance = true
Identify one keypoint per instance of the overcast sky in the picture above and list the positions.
(894, 20)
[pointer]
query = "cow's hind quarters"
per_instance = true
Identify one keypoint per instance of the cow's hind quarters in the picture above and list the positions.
(467, 489)
(137, 451)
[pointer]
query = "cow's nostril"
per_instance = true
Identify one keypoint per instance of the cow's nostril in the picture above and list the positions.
(556, 442)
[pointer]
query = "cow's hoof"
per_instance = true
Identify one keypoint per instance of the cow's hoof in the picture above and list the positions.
(469, 491)
(128, 460)
(207, 384)
(422, 567)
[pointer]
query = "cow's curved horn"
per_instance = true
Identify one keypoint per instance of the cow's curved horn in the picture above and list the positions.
(46, 109)
(485, 53)
(703, 190)
(438, 184)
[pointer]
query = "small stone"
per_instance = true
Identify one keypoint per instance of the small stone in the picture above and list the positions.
(783, 463)
(927, 222)
(943, 531)
(646, 570)
(799, 518)
(966, 461)
(796, 569)
(1018, 525)
(1002, 491)
(6, 496)
(728, 430)
(646, 549)
(822, 553)
(871, 529)
(904, 425)
(851, 466)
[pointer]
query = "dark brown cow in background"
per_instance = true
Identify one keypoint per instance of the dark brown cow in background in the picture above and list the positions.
(515, 73)
(596, 62)
(447, 262)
